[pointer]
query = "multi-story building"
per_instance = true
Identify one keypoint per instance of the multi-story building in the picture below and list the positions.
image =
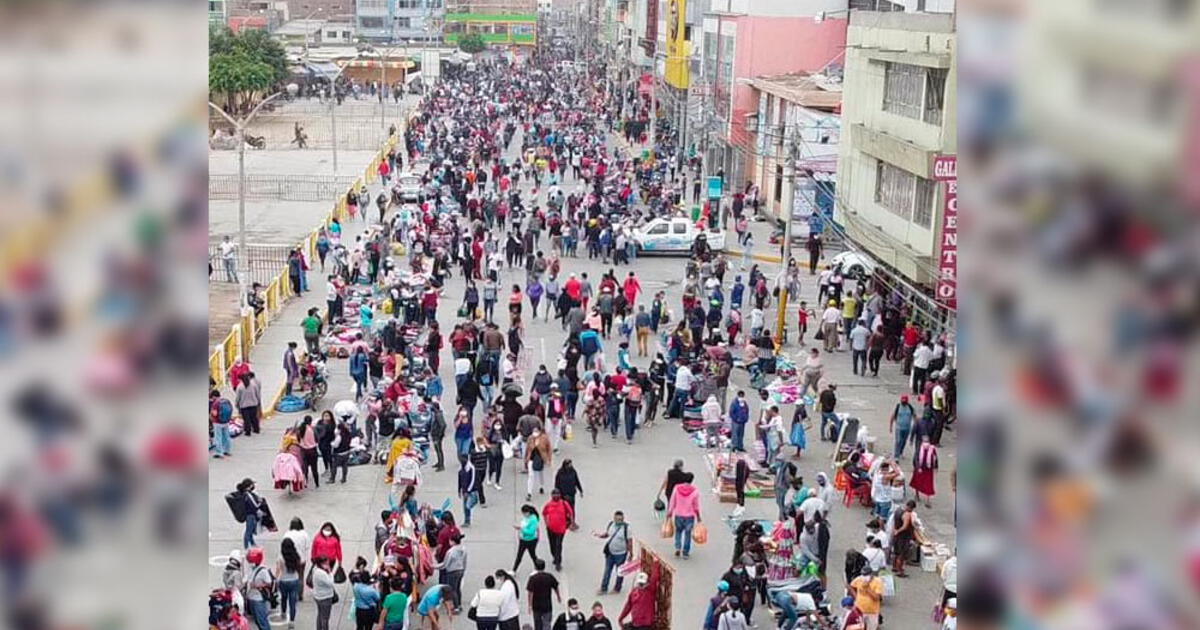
(374, 19)
(499, 22)
(796, 133)
(332, 10)
(898, 115)
(218, 12)
(260, 14)
(418, 20)
(744, 39)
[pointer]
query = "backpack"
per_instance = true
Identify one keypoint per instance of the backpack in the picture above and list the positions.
(387, 424)
(485, 371)
(237, 505)
(589, 342)
(269, 592)
(224, 411)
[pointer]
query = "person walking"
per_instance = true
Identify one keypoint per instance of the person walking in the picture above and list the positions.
(558, 516)
(306, 435)
(684, 507)
(527, 535)
(642, 604)
(486, 605)
(572, 619)
(538, 588)
(901, 424)
(366, 598)
(220, 412)
(739, 415)
(616, 550)
(567, 483)
(313, 327)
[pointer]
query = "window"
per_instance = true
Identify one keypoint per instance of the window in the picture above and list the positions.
(903, 87)
(345, 34)
(935, 95)
(905, 194)
(778, 183)
(679, 227)
(331, 34)
(403, 22)
(658, 229)
(370, 22)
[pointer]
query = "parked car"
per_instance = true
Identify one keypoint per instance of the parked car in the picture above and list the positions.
(674, 235)
(410, 187)
(854, 264)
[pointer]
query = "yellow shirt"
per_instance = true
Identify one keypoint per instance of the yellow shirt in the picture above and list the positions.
(863, 585)
(848, 306)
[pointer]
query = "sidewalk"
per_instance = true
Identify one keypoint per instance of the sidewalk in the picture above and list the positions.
(266, 357)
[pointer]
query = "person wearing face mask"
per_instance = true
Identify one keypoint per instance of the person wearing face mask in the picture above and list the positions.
(495, 441)
(327, 544)
(572, 618)
(598, 621)
(537, 459)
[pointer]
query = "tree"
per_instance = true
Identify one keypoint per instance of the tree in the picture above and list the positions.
(243, 67)
(472, 43)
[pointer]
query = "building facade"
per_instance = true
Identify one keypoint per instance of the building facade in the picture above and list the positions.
(740, 40)
(499, 22)
(332, 10)
(796, 134)
(898, 115)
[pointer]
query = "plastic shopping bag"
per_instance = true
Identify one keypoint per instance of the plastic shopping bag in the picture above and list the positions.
(668, 527)
(700, 534)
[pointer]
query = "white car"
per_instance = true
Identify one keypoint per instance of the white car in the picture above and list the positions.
(674, 235)
(409, 186)
(854, 264)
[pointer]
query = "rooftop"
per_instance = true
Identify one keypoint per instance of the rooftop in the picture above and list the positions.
(808, 90)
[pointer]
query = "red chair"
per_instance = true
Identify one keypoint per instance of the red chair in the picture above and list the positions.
(861, 490)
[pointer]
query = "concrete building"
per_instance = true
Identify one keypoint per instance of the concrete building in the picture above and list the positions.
(796, 135)
(743, 39)
(374, 19)
(898, 113)
(418, 20)
(332, 10)
(218, 12)
(500, 22)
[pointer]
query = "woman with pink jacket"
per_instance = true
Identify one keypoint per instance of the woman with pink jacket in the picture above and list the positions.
(684, 506)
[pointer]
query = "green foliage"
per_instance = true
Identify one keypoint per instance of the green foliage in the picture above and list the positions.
(242, 67)
(471, 43)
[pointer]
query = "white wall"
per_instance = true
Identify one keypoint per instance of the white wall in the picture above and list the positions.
(778, 8)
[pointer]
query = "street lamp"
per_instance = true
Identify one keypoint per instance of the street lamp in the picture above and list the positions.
(332, 111)
(384, 55)
(240, 127)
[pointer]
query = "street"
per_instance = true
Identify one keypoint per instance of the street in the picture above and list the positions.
(614, 476)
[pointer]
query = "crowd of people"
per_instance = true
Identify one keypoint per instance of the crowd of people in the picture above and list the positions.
(476, 134)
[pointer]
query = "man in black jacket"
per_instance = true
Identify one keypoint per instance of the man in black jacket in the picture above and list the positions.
(437, 431)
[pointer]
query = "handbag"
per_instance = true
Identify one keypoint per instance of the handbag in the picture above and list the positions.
(820, 333)
(472, 613)
(308, 580)
(339, 576)
(336, 599)
(659, 506)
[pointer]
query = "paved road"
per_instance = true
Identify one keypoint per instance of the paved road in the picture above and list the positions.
(615, 476)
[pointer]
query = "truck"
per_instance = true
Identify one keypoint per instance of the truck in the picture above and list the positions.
(674, 235)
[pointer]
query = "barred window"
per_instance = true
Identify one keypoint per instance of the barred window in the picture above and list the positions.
(894, 188)
(915, 92)
(905, 194)
(903, 88)
(925, 198)
(935, 95)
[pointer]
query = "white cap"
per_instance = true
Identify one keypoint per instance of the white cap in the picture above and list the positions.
(642, 578)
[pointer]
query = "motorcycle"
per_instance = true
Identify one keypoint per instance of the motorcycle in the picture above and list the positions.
(314, 381)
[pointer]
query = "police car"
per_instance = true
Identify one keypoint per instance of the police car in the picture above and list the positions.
(674, 235)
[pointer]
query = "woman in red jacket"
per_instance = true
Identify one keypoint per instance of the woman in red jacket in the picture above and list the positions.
(327, 544)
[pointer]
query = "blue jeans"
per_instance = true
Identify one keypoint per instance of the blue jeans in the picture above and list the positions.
(902, 434)
(630, 419)
(883, 509)
(221, 438)
(612, 419)
(738, 436)
(469, 502)
(681, 398)
(289, 596)
(829, 417)
(683, 530)
(259, 611)
(611, 563)
(463, 444)
(783, 600)
(251, 528)
(360, 385)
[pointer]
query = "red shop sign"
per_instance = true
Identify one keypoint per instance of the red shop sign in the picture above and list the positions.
(946, 170)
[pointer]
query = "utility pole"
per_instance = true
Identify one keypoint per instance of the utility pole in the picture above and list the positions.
(790, 176)
(240, 127)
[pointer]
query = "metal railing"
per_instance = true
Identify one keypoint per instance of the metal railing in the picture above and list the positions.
(282, 187)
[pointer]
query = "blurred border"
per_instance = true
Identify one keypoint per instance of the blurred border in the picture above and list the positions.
(103, 234)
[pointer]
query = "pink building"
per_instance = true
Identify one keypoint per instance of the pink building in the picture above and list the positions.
(739, 47)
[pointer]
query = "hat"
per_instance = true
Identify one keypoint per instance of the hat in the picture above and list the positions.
(254, 555)
(847, 602)
(642, 578)
(833, 302)
(903, 397)
(722, 586)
